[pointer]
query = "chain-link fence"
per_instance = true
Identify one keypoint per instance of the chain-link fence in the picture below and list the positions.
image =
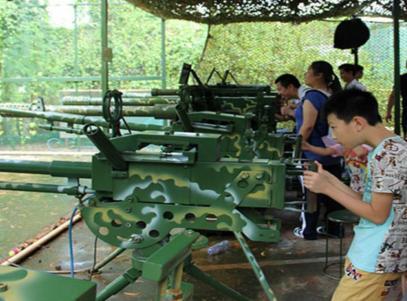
(48, 49)
(259, 52)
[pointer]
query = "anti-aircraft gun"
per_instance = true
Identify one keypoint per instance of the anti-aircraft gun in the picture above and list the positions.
(139, 196)
(257, 105)
(243, 114)
(256, 101)
(240, 140)
(236, 129)
(74, 119)
(225, 97)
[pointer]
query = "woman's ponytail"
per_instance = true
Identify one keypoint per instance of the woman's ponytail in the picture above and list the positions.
(335, 84)
(330, 78)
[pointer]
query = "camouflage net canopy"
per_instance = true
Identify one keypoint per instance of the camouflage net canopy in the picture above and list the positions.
(229, 11)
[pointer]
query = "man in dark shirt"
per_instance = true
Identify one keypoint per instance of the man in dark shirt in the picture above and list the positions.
(403, 106)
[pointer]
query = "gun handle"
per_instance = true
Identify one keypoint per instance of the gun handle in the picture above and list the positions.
(297, 147)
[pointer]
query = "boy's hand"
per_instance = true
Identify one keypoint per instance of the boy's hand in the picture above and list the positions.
(316, 181)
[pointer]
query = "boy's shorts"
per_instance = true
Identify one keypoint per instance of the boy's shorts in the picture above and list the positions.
(358, 285)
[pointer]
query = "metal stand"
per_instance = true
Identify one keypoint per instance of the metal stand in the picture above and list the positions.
(118, 284)
(256, 268)
(166, 264)
(220, 287)
(161, 264)
(108, 259)
(355, 52)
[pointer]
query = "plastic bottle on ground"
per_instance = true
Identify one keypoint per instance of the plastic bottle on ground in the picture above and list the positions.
(218, 248)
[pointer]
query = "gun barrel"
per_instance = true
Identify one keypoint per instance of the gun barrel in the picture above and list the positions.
(49, 188)
(76, 119)
(97, 101)
(106, 147)
(162, 92)
(54, 168)
(50, 127)
(157, 111)
(239, 90)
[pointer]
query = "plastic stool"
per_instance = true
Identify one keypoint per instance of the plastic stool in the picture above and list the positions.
(341, 217)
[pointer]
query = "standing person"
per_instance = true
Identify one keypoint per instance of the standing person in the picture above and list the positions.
(377, 258)
(390, 103)
(347, 73)
(309, 124)
(358, 71)
(291, 91)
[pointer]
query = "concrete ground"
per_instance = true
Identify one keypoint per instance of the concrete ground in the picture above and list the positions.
(293, 267)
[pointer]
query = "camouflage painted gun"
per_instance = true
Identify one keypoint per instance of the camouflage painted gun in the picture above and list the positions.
(156, 111)
(258, 100)
(140, 194)
(72, 119)
(136, 101)
(241, 141)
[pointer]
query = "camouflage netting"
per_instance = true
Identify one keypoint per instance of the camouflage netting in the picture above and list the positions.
(229, 11)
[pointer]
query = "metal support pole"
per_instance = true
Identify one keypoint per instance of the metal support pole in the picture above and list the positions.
(75, 44)
(163, 56)
(195, 272)
(106, 57)
(256, 267)
(178, 276)
(108, 259)
(355, 53)
(118, 284)
(163, 286)
(396, 41)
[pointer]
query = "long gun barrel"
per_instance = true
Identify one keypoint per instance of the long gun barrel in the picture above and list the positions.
(156, 111)
(164, 92)
(48, 188)
(77, 119)
(55, 168)
(97, 101)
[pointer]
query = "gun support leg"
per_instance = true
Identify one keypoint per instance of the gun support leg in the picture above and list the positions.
(194, 271)
(163, 287)
(118, 284)
(256, 268)
(108, 259)
(178, 276)
(173, 288)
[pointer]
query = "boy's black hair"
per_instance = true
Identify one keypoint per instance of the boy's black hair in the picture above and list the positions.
(347, 104)
(288, 79)
(358, 67)
(348, 68)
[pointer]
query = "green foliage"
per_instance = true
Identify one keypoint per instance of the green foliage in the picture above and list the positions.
(33, 47)
(38, 48)
(259, 52)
